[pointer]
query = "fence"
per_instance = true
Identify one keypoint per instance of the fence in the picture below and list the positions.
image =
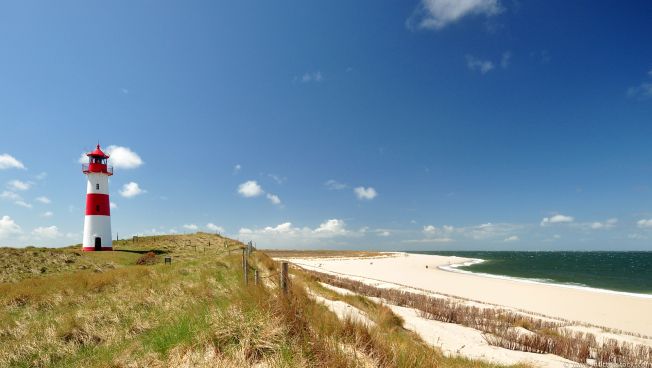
(284, 280)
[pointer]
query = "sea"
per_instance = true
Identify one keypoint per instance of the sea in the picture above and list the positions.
(628, 272)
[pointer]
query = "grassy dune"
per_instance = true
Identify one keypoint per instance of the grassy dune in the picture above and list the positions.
(106, 310)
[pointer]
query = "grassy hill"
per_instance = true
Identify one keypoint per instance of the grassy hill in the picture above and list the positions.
(126, 308)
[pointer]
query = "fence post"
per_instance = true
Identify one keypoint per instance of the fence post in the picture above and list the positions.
(244, 265)
(284, 277)
(256, 277)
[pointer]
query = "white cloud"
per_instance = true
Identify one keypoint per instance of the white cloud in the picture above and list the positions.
(237, 168)
(512, 238)
(17, 199)
(641, 92)
(437, 14)
(475, 64)
(286, 232)
(335, 185)
(112, 205)
(191, 227)
(23, 204)
(610, 223)
(245, 231)
(212, 227)
(278, 179)
(644, 223)
(284, 228)
(43, 199)
(636, 236)
(250, 189)
(490, 231)
(8, 227)
(9, 162)
(332, 227)
(10, 196)
(120, 157)
(505, 59)
(312, 77)
(557, 219)
(273, 198)
(47, 214)
(384, 233)
(435, 234)
(123, 157)
(487, 231)
(41, 176)
(428, 240)
(19, 185)
(430, 230)
(131, 189)
(365, 193)
(49, 232)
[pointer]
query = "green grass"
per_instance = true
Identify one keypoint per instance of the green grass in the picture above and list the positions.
(195, 312)
(178, 331)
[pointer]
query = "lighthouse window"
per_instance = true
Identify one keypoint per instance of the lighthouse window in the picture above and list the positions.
(97, 208)
(97, 186)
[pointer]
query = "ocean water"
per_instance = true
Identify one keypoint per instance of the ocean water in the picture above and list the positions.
(618, 271)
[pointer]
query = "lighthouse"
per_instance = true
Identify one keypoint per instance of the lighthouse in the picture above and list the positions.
(97, 223)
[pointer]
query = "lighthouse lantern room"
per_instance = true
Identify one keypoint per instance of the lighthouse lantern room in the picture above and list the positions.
(97, 223)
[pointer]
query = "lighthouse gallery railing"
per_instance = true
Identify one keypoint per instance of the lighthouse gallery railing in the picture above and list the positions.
(86, 168)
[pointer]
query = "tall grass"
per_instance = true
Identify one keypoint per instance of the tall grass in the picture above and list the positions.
(195, 312)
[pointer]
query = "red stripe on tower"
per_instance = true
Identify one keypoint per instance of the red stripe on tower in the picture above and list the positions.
(98, 204)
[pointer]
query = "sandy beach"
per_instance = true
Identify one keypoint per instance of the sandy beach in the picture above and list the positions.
(616, 311)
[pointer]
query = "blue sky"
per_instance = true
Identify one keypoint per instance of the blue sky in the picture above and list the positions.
(417, 124)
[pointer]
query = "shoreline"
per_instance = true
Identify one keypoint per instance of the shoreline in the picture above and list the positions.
(455, 267)
(576, 305)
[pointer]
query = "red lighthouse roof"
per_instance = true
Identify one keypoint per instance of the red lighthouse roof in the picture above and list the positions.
(97, 153)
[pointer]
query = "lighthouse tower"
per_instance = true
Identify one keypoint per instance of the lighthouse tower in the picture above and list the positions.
(97, 224)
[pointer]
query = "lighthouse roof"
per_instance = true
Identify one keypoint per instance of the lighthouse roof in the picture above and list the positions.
(97, 153)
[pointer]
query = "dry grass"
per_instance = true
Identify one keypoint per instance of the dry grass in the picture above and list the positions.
(500, 326)
(194, 313)
(30, 262)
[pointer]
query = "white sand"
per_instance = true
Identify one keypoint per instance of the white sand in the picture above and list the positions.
(612, 310)
(456, 340)
(344, 310)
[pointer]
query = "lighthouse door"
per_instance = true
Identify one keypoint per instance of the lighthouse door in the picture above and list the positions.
(98, 243)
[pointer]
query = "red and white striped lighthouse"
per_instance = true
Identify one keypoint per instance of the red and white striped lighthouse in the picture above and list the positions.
(97, 224)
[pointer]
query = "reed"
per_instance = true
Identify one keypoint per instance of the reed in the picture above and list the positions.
(506, 328)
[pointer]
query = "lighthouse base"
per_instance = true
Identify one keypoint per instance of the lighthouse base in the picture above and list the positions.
(93, 249)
